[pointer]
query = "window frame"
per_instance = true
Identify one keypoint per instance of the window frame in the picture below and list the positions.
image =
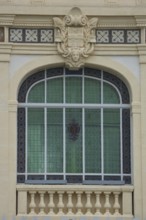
(103, 76)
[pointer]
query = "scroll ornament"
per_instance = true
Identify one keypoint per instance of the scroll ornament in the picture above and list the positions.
(75, 37)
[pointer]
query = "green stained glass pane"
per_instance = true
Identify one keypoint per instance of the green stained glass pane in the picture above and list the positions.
(73, 140)
(55, 90)
(54, 140)
(73, 89)
(110, 95)
(92, 91)
(92, 141)
(35, 140)
(36, 94)
(111, 134)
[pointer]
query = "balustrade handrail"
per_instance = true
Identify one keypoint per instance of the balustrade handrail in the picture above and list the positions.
(71, 187)
(74, 199)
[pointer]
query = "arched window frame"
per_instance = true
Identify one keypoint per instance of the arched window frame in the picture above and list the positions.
(23, 176)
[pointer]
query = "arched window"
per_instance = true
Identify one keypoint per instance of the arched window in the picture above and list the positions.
(73, 127)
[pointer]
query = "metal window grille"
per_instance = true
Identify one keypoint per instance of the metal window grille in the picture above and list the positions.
(73, 127)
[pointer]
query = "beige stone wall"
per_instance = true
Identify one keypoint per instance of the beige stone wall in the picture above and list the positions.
(114, 58)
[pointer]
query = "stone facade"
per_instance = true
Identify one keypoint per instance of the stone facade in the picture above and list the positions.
(105, 34)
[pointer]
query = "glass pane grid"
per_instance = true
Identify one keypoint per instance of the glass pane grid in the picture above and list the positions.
(92, 91)
(37, 93)
(92, 141)
(73, 90)
(110, 94)
(54, 140)
(73, 140)
(35, 142)
(55, 90)
(111, 135)
(76, 89)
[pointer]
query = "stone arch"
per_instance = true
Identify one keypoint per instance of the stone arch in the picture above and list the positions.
(94, 62)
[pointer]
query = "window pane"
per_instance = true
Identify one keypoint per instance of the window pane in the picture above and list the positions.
(111, 127)
(73, 140)
(92, 91)
(110, 95)
(92, 141)
(35, 141)
(36, 94)
(55, 90)
(54, 140)
(73, 90)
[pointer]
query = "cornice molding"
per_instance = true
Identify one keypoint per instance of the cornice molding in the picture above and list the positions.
(142, 52)
(141, 21)
(61, 10)
(40, 49)
(47, 21)
(111, 25)
(35, 21)
(100, 3)
(57, 7)
(7, 19)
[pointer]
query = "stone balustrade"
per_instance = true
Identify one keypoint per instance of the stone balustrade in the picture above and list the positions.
(74, 200)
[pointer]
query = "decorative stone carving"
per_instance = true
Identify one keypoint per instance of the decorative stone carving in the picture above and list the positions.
(118, 36)
(75, 37)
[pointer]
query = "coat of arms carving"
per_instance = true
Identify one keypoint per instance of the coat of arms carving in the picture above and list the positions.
(75, 37)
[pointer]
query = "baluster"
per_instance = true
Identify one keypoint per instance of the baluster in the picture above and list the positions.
(98, 203)
(51, 204)
(42, 203)
(60, 203)
(107, 203)
(116, 204)
(79, 203)
(70, 204)
(32, 204)
(88, 203)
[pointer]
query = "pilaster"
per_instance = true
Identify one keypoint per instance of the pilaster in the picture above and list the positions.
(12, 156)
(136, 154)
(143, 127)
(4, 169)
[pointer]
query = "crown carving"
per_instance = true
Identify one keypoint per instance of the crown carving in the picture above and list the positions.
(75, 37)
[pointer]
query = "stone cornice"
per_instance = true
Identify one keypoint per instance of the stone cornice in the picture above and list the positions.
(33, 21)
(141, 21)
(93, 11)
(99, 3)
(6, 19)
(142, 50)
(51, 49)
(57, 7)
(47, 21)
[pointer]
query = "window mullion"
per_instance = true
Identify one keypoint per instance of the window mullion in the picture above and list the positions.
(102, 145)
(83, 127)
(121, 144)
(26, 142)
(102, 135)
(45, 137)
(64, 144)
(64, 128)
(45, 127)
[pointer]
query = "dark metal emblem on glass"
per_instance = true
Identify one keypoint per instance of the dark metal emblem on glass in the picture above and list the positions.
(73, 130)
